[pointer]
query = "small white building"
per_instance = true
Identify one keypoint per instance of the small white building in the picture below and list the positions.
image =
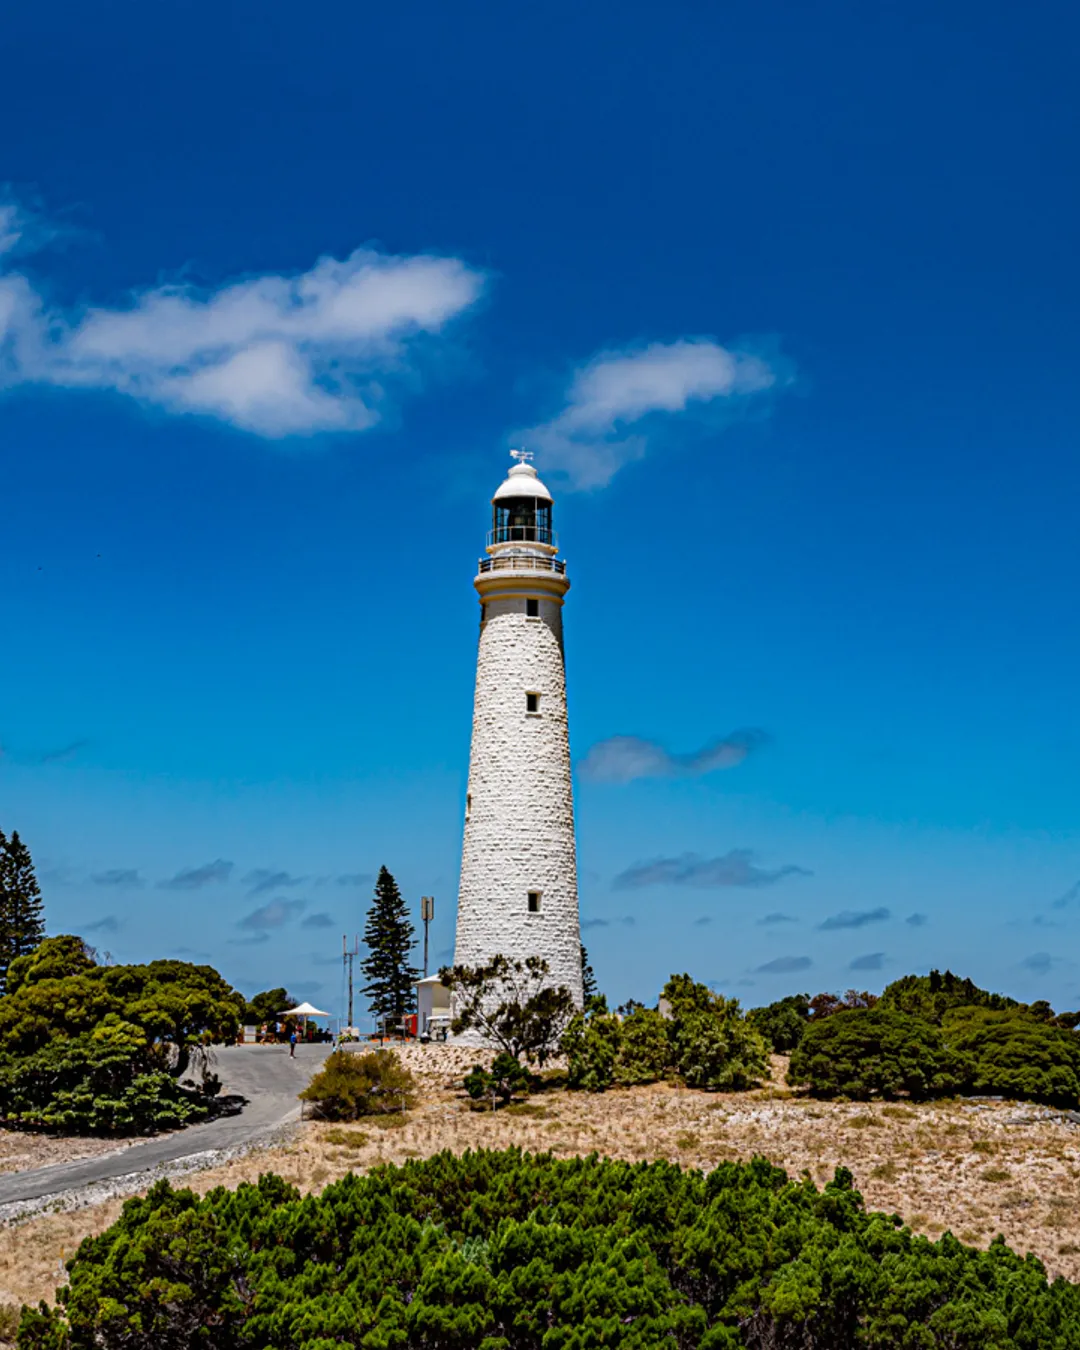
(432, 1008)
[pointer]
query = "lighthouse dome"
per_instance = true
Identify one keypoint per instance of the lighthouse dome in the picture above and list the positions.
(522, 481)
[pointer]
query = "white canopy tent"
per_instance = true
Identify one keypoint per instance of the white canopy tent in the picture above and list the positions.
(304, 1011)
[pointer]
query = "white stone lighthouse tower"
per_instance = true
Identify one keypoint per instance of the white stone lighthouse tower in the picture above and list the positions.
(518, 894)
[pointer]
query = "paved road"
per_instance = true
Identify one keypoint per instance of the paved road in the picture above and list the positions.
(263, 1073)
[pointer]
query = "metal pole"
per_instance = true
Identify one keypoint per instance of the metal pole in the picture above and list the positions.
(427, 913)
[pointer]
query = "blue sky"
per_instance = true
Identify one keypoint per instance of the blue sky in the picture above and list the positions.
(784, 299)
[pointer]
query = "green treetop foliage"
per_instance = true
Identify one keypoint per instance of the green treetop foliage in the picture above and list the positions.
(267, 1006)
(175, 1005)
(511, 1005)
(931, 996)
(507, 1251)
(55, 958)
(782, 1023)
(1011, 1053)
(22, 923)
(391, 986)
(875, 1052)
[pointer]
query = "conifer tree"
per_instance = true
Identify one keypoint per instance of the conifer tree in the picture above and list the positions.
(389, 937)
(22, 925)
(589, 987)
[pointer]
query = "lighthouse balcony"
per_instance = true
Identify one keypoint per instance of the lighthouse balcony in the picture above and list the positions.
(523, 562)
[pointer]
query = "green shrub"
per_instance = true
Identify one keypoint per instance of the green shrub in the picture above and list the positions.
(350, 1085)
(871, 1052)
(644, 1050)
(931, 996)
(103, 1082)
(591, 1044)
(782, 1023)
(1014, 1054)
(713, 1046)
(499, 1083)
(505, 1251)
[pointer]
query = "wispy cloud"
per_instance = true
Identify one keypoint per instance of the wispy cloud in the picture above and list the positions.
(353, 879)
(61, 753)
(1071, 896)
(109, 924)
(621, 759)
(274, 914)
(1039, 963)
(193, 878)
(254, 941)
(854, 918)
(703, 922)
(770, 920)
(319, 920)
(871, 961)
(784, 965)
(736, 868)
(614, 402)
(275, 354)
(917, 920)
(191, 952)
(118, 876)
(625, 920)
(262, 879)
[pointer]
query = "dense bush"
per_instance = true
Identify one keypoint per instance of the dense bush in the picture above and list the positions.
(713, 1046)
(498, 1084)
(702, 1038)
(931, 996)
(782, 1023)
(350, 1085)
(176, 1005)
(503, 1251)
(95, 1049)
(871, 1052)
(1013, 1054)
(102, 1082)
(644, 1048)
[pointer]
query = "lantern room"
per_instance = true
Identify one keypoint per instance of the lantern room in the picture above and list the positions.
(521, 508)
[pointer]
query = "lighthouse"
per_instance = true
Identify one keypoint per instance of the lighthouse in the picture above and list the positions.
(518, 895)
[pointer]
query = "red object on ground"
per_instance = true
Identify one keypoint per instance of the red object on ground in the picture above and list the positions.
(410, 1024)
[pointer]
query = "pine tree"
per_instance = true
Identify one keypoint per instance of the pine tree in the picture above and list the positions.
(391, 987)
(589, 987)
(22, 925)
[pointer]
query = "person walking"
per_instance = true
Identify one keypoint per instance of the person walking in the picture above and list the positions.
(292, 1044)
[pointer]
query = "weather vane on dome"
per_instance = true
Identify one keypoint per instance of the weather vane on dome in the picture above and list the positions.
(522, 456)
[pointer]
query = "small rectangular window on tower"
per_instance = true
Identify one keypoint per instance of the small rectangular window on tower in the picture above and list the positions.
(534, 902)
(532, 703)
(532, 609)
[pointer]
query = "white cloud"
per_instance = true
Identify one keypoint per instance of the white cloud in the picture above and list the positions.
(275, 355)
(588, 440)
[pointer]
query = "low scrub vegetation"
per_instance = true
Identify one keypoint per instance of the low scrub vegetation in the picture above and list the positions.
(702, 1038)
(511, 1251)
(350, 1085)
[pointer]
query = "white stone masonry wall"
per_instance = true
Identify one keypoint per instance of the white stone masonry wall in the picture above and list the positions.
(519, 828)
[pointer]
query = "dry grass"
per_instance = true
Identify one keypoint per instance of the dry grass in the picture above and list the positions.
(928, 1163)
